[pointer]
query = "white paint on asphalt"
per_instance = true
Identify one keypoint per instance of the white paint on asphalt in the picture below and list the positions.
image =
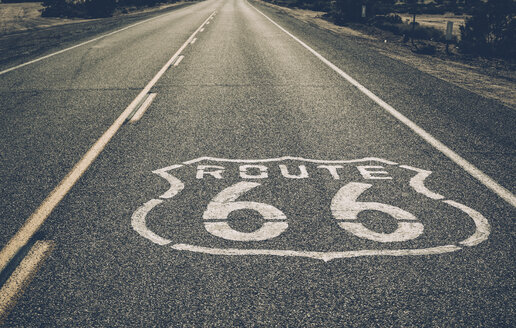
(80, 44)
(146, 104)
(138, 222)
(325, 256)
(456, 158)
(225, 203)
(193, 41)
(34, 222)
(418, 182)
(216, 171)
(345, 207)
(368, 172)
(179, 59)
(482, 227)
(175, 184)
(373, 172)
(262, 169)
(303, 173)
(202, 30)
(22, 275)
(290, 158)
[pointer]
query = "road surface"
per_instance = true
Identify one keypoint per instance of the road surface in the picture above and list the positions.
(223, 164)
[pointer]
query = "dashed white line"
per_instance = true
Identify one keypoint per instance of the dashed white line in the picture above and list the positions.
(139, 113)
(202, 30)
(34, 222)
(456, 158)
(178, 60)
(193, 41)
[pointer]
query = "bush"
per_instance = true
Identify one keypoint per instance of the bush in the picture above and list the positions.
(491, 30)
(316, 5)
(99, 8)
(57, 8)
(90, 8)
(345, 11)
(387, 19)
(394, 24)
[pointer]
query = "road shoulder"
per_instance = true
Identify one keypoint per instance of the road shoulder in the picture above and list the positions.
(495, 83)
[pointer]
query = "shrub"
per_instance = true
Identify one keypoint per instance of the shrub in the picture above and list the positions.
(99, 8)
(345, 11)
(426, 49)
(90, 8)
(491, 30)
(394, 24)
(317, 5)
(56, 8)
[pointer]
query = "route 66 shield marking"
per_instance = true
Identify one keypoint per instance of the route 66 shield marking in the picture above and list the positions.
(334, 201)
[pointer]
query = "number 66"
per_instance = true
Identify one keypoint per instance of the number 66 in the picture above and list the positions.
(344, 206)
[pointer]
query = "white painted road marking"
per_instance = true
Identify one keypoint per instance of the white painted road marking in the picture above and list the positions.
(325, 256)
(225, 203)
(193, 41)
(179, 59)
(368, 172)
(34, 222)
(139, 113)
(22, 275)
(79, 45)
(456, 158)
(345, 206)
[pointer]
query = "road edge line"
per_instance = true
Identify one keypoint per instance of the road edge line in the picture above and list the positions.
(476, 173)
(80, 44)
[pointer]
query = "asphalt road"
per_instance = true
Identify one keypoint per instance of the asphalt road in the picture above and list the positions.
(287, 195)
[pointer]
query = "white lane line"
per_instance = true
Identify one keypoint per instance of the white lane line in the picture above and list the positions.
(139, 113)
(456, 158)
(193, 41)
(80, 44)
(202, 30)
(31, 226)
(178, 60)
(22, 275)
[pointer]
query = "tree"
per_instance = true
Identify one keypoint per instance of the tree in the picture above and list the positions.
(491, 30)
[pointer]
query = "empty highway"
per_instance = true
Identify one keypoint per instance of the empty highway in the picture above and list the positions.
(223, 164)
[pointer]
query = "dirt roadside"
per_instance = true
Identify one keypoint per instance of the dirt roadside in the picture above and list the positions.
(18, 17)
(488, 78)
(33, 36)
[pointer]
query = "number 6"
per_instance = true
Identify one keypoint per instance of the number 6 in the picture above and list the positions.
(224, 203)
(345, 206)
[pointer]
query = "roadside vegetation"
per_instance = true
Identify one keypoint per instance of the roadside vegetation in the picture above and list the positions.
(93, 8)
(489, 29)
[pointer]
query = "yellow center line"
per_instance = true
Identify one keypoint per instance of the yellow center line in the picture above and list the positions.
(22, 275)
(34, 222)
